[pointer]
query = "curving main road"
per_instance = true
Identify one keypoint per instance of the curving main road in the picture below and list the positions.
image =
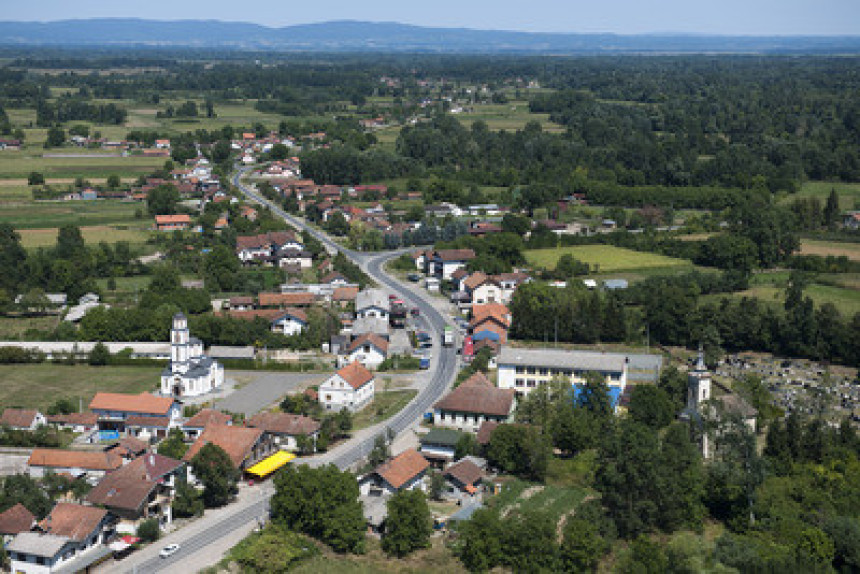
(206, 536)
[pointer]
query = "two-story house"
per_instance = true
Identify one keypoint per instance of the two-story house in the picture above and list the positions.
(142, 415)
(369, 349)
(476, 400)
(352, 387)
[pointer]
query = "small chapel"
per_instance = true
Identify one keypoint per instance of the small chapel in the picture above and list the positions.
(190, 372)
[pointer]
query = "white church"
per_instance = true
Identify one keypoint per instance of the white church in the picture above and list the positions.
(190, 372)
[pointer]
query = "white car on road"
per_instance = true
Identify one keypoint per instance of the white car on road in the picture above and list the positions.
(169, 550)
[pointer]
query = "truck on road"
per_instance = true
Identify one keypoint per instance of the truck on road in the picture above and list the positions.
(448, 336)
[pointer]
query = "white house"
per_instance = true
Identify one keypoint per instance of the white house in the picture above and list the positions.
(295, 257)
(445, 261)
(350, 388)
(190, 372)
(22, 419)
(368, 349)
(482, 289)
(372, 303)
(290, 322)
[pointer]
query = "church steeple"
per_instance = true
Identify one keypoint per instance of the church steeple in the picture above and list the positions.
(180, 340)
(698, 383)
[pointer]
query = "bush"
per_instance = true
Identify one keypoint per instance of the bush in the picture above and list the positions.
(148, 531)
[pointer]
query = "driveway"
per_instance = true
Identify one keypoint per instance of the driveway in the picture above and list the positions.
(263, 389)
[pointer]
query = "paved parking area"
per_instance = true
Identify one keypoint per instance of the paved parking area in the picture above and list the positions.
(264, 389)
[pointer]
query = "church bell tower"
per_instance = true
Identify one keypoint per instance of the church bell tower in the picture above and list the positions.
(180, 343)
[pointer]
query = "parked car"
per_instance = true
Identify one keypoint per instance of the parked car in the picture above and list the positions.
(169, 550)
(415, 311)
(414, 277)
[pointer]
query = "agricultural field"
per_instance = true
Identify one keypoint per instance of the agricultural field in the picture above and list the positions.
(834, 248)
(849, 193)
(35, 238)
(19, 164)
(606, 258)
(842, 290)
(40, 385)
(511, 116)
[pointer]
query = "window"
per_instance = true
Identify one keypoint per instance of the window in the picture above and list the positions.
(544, 371)
(520, 370)
(530, 370)
(519, 382)
(328, 398)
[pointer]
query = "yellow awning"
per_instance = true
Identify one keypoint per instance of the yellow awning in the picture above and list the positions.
(270, 464)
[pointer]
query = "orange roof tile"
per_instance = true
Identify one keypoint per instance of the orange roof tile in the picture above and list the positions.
(237, 442)
(144, 403)
(59, 458)
(355, 374)
(402, 468)
(74, 521)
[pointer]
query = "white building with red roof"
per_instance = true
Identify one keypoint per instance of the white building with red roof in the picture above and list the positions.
(351, 388)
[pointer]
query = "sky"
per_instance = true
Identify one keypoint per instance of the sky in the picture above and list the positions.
(730, 17)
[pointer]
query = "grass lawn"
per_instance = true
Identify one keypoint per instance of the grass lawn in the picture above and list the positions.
(605, 258)
(835, 248)
(42, 384)
(384, 405)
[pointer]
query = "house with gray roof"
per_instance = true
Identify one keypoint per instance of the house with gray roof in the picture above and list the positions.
(372, 303)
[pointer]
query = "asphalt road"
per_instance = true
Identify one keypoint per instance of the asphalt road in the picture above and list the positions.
(207, 531)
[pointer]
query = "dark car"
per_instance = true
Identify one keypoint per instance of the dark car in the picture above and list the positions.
(415, 312)
(414, 277)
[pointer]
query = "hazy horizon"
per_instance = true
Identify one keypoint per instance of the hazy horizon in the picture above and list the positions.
(624, 17)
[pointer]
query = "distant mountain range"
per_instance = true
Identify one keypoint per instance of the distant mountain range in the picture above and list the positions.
(391, 37)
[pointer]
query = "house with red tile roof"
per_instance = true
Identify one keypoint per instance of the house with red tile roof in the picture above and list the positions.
(22, 419)
(284, 300)
(352, 387)
(368, 349)
(195, 425)
(72, 538)
(405, 471)
(490, 321)
(178, 222)
(482, 289)
(244, 445)
(77, 422)
(14, 520)
(116, 411)
(44, 460)
(476, 400)
(143, 488)
(463, 481)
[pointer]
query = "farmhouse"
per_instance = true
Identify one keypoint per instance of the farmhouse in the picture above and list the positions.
(352, 387)
(463, 481)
